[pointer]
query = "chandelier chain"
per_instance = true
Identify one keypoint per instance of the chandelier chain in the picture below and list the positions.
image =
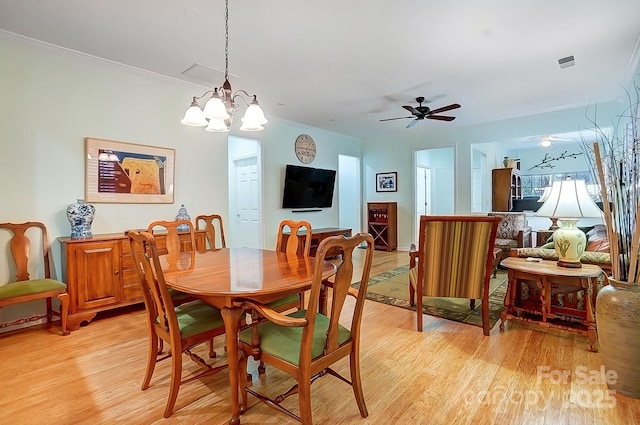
(226, 39)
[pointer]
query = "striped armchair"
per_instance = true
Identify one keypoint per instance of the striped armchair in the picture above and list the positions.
(454, 259)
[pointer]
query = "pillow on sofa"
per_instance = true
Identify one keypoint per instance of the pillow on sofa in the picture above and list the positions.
(597, 239)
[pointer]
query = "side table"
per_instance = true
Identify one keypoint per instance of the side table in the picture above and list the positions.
(543, 281)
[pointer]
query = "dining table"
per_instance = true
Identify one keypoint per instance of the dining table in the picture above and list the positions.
(225, 277)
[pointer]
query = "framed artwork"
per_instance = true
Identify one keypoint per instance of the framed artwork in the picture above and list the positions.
(387, 182)
(118, 172)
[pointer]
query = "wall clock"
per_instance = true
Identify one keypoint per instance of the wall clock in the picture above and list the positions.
(305, 148)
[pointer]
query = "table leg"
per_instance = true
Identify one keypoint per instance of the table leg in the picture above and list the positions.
(545, 296)
(590, 287)
(231, 317)
(508, 299)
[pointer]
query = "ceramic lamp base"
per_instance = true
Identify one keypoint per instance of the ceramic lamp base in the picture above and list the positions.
(570, 243)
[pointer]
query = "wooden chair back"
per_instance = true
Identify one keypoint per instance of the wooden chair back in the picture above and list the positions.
(194, 322)
(317, 350)
(341, 287)
(210, 222)
(176, 239)
(32, 273)
(455, 255)
(294, 242)
(155, 293)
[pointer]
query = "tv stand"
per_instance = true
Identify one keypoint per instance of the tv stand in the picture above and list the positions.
(317, 236)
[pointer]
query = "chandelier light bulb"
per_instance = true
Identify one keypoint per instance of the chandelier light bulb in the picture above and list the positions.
(194, 117)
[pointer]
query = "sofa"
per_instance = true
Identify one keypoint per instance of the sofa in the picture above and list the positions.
(596, 251)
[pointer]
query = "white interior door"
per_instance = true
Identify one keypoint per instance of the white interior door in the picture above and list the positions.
(423, 194)
(248, 202)
(349, 193)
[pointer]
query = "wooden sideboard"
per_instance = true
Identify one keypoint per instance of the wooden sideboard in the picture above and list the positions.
(317, 235)
(100, 274)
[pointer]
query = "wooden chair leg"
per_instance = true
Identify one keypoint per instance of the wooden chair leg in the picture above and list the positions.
(64, 312)
(486, 330)
(176, 373)
(243, 379)
(412, 295)
(152, 356)
(212, 351)
(356, 383)
(304, 400)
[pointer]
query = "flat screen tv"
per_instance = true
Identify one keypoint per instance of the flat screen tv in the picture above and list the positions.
(306, 187)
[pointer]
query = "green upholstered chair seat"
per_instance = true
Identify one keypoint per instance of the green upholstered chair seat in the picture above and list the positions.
(284, 342)
(284, 301)
(178, 296)
(196, 317)
(29, 287)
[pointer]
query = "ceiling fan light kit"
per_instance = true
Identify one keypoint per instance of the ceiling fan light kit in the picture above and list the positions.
(420, 112)
(217, 114)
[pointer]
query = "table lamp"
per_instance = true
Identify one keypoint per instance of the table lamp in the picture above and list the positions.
(569, 201)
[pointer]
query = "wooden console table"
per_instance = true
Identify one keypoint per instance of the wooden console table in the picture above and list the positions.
(317, 235)
(100, 274)
(542, 292)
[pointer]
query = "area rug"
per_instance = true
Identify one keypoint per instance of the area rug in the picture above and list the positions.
(392, 288)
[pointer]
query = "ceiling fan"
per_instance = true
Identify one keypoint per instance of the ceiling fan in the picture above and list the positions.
(545, 141)
(420, 112)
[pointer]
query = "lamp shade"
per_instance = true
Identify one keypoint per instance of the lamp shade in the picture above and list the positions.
(569, 199)
(545, 194)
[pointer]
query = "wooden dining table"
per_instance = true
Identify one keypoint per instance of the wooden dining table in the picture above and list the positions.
(225, 277)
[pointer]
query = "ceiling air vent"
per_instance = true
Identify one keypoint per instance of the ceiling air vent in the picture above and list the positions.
(567, 62)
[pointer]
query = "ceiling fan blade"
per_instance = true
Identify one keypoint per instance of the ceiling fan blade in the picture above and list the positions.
(440, 117)
(391, 119)
(412, 123)
(411, 109)
(445, 108)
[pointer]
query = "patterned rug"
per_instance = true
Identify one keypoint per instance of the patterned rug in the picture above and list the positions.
(392, 288)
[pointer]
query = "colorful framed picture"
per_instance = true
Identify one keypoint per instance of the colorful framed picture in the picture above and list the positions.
(387, 182)
(118, 172)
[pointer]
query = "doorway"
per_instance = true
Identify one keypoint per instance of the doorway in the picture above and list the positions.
(434, 183)
(245, 193)
(349, 193)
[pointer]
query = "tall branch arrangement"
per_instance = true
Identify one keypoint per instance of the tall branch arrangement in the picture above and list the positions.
(615, 161)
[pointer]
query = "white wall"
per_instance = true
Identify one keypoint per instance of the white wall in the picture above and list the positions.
(52, 99)
(381, 153)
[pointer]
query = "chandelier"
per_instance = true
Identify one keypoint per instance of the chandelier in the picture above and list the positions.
(217, 114)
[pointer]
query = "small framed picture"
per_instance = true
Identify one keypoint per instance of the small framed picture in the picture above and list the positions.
(387, 182)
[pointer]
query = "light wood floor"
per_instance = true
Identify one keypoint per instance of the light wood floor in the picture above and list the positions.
(448, 374)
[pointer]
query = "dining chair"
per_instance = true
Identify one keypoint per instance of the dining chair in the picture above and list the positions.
(293, 242)
(306, 343)
(209, 224)
(179, 236)
(454, 260)
(182, 327)
(26, 288)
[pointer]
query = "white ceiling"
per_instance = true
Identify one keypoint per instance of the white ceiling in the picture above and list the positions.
(343, 65)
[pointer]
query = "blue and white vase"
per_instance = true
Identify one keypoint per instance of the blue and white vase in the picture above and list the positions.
(80, 215)
(183, 215)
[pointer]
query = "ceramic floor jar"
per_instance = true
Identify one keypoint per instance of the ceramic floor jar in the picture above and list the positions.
(618, 324)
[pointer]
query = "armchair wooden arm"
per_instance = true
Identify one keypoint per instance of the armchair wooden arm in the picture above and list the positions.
(274, 316)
